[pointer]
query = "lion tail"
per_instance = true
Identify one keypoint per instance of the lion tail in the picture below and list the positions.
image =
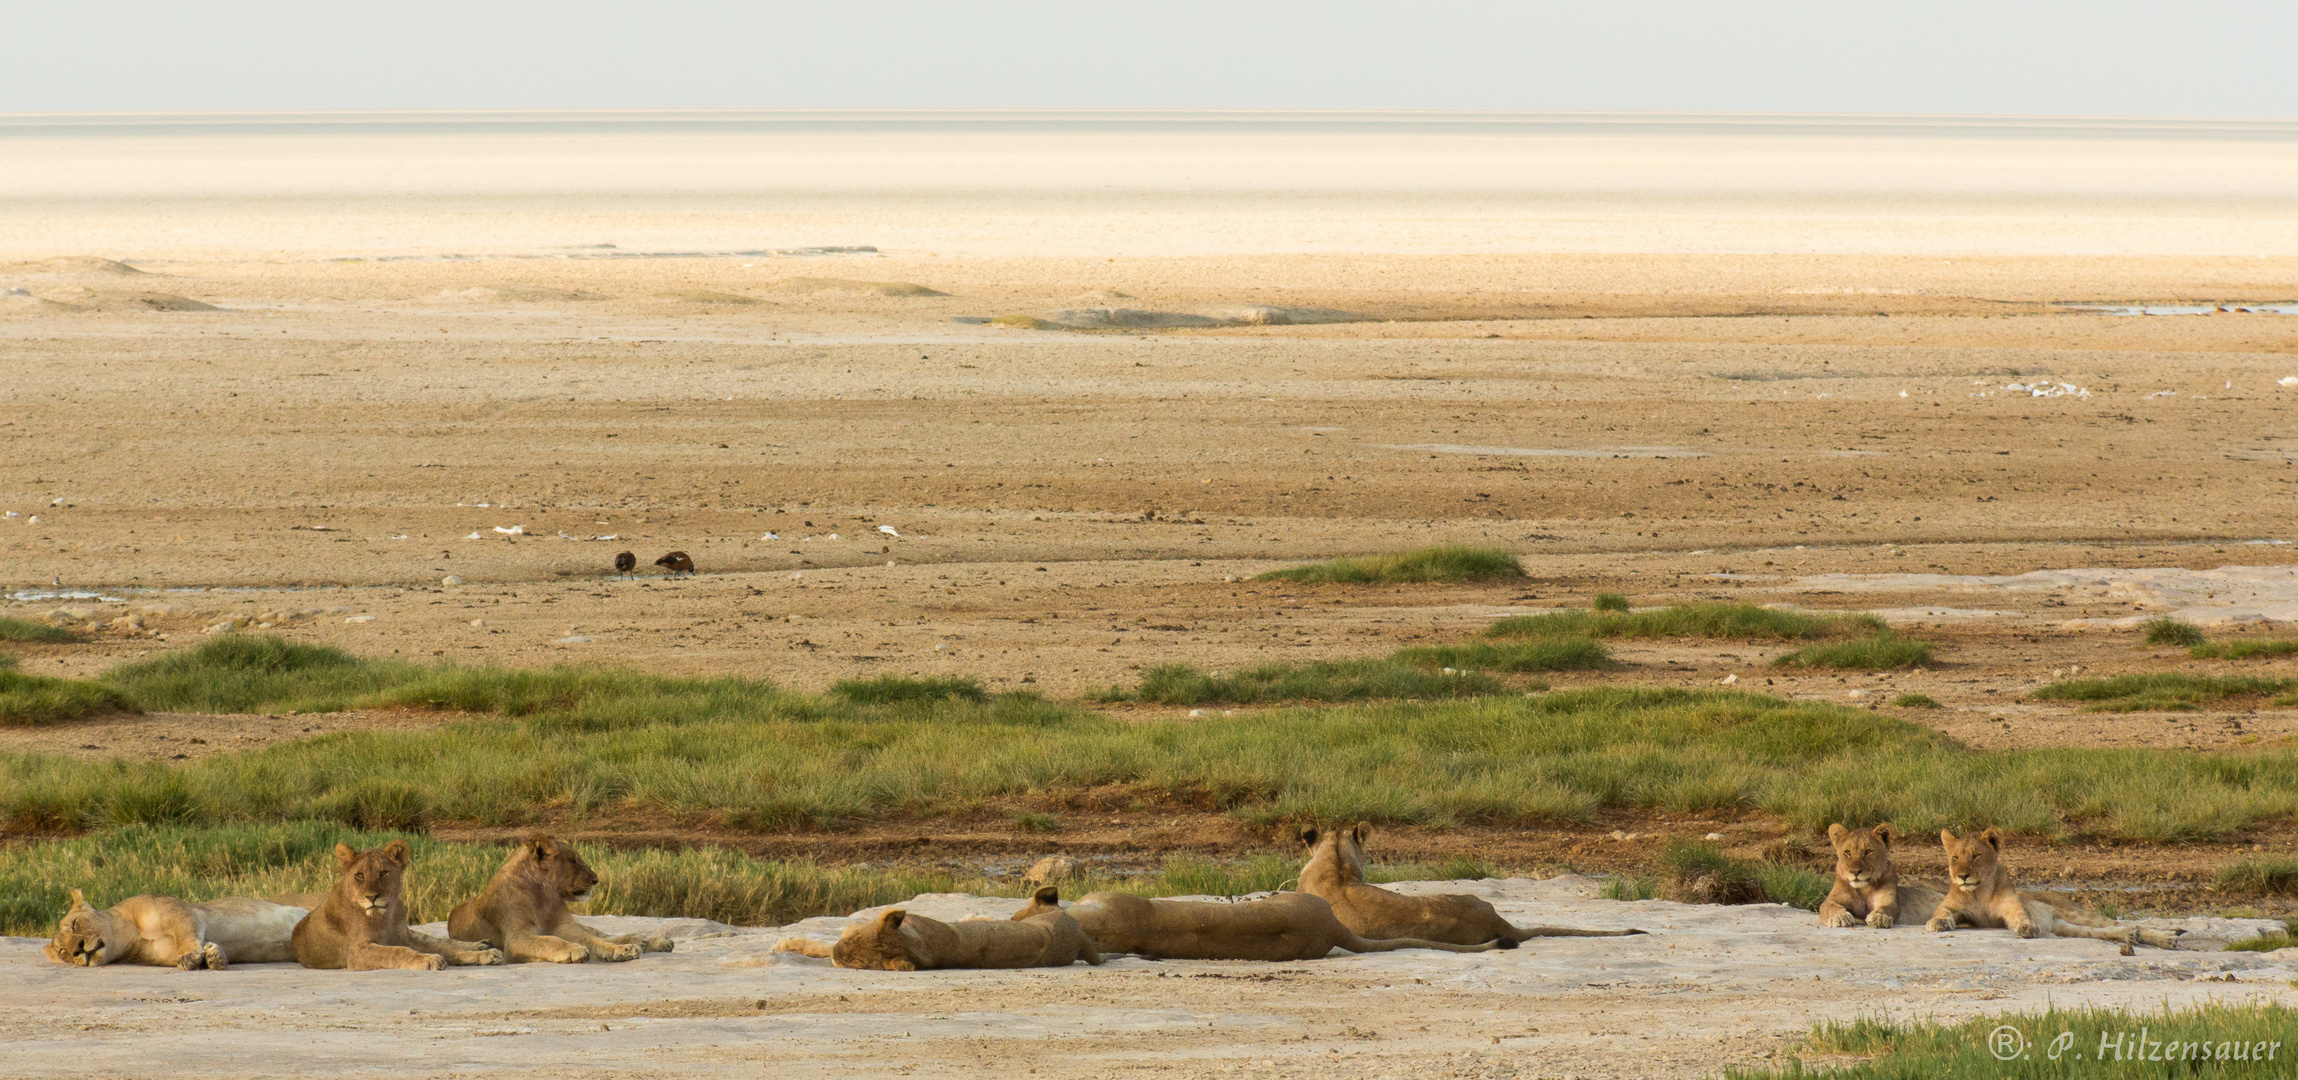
(804, 947)
(1356, 944)
(1527, 933)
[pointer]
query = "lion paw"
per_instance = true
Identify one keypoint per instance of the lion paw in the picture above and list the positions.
(484, 957)
(428, 962)
(614, 953)
(1939, 926)
(1879, 920)
(2027, 930)
(192, 961)
(216, 960)
(1841, 919)
(658, 943)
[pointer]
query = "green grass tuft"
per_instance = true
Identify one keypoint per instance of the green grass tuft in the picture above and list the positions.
(1914, 701)
(240, 673)
(31, 700)
(1037, 823)
(889, 689)
(1883, 652)
(1906, 1050)
(1543, 654)
(2269, 942)
(1631, 888)
(1445, 563)
(1795, 886)
(2274, 875)
(36, 633)
(2164, 630)
(1735, 622)
(1331, 681)
(1698, 872)
(1609, 601)
(2158, 691)
(2242, 650)
(7, 662)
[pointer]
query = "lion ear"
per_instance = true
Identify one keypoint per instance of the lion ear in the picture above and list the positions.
(344, 856)
(396, 851)
(543, 846)
(1050, 894)
(1946, 838)
(80, 900)
(893, 919)
(1309, 835)
(1836, 833)
(1884, 833)
(1361, 831)
(1994, 837)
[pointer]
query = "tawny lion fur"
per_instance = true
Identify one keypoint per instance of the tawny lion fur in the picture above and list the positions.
(167, 932)
(1287, 926)
(1980, 893)
(1041, 935)
(362, 925)
(523, 910)
(1335, 873)
(1867, 888)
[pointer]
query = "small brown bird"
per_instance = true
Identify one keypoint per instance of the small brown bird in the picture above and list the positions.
(677, 562)
(624, 563)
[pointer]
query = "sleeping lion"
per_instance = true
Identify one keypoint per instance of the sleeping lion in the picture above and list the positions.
(167, 932)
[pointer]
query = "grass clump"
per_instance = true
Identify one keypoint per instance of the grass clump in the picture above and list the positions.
(2164, 630)
(1330, 680)
(2268, 942)
(1883, 652)
(1736, 622)
(890, 689)
(2159, 691)
(34, 633)
(1914, 701)
(31, 700)
(1698, 872)
(1609, 601)
(241, 673)
(1543, 654)
(1445, 563)
(2211, 1039)
(1795, 886)
(2275, 875)
(2243, 650)
(1631, 887)
(1037, 823)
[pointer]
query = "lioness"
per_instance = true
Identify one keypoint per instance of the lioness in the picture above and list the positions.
(1980, 893)
(1336, 873)
(1287, 926)
(523, 910)
(899, 941)
(362, 925)
(163, 930)
(1867, 886)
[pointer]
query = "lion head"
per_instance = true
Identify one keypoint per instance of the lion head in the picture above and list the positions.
(558, 866)
(1345, 847)
(1972, 861)
(875, 946)
(372, 880)
(81, 935)
(1862, 856)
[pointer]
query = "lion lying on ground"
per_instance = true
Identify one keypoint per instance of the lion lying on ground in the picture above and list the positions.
(1287, 926)
(362, 925)
(1867, 887)
(523, 910)
(1980, 893)
(1335, 873)
(164, 931)
(1041, 935)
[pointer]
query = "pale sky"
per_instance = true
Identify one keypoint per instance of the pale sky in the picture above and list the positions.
(2216, 58)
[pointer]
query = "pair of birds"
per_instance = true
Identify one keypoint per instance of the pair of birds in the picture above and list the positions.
(677, 561)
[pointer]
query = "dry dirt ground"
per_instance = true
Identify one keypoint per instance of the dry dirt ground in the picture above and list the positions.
(333, 440)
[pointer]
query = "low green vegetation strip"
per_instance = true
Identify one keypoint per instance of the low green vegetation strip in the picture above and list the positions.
(1883, 652)
(2164, 630)
(2272, 875)
(706, 883)
(2253, 1039)
(1543, 654)
(556, 745)
(1699, 872)
(1443, 564)
(34, 632)
(2159, 691)
(2288, 938)
(2242, 650)
(1733, 622)
(1329, 681)
(29, 700)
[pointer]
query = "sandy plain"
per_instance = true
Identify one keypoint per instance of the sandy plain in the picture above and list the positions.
(304, 375)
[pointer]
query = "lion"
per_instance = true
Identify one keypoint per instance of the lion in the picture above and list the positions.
(1867, 887)
(362, 925)
(1980, 893)
(165, 931)
(523, 910)
(1287, 926)
(1335, 873)
(1041, 935)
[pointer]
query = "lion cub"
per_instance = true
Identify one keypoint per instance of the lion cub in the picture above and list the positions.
(523, 910)
(900, 941)
(1980, 893)
(362, 925)
(165, 931)
(1867, 886)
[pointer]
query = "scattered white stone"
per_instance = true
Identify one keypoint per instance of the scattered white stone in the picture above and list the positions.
(478, 622)
(1713, 836)
(2044, 389)
(474, 535)
(888, 530)
(360, 618)
(515, 530)
(771, 536)
(1196, 712)
(450, 581)
(1728, 680)
(2287, 380)
(574, 639)
(1858, 693)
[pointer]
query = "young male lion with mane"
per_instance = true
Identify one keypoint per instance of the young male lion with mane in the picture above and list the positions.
(362, 925)
(1980, 893)
(167, 932)
(1040, 935)
(523, 910)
